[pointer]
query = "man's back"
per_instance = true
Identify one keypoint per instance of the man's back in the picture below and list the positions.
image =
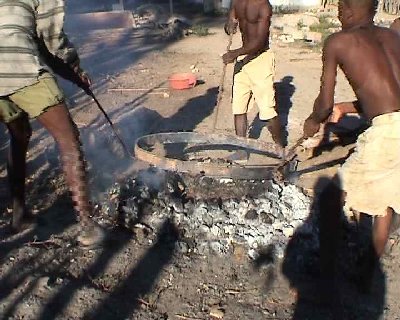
(249, 13)
(370, 58)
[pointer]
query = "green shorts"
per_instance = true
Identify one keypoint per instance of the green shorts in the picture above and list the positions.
(32, 100)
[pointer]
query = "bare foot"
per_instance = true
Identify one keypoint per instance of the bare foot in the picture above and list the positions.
(91, 235)
(22, 219)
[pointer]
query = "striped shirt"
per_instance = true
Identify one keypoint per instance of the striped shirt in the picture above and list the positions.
(26, 26)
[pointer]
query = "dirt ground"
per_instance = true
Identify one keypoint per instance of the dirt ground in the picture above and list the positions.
(45, 275)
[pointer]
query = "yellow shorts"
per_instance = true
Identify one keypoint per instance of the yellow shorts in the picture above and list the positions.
(254, 82)
(370, 176)
(33, 100)
(9, 111)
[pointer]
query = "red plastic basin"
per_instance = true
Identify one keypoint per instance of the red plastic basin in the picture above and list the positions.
(180, 81)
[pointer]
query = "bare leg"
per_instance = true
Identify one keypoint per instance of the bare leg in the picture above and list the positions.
(58, 122)
(240, 156)
(241, 124)
(381, 232)
(20, 133)
(275, 128)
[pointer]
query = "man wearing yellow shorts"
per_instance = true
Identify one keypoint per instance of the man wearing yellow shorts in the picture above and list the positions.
(255, 68)
(30, 32)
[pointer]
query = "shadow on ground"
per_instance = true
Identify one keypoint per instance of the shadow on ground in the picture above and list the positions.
(284, 91)
(316, 298)
(48, 249)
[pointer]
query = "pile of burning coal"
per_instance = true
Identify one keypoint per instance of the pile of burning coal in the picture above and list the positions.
(210, 214)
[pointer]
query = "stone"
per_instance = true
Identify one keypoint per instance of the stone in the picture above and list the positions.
(217, 247)
(314, 37)
(288, 231)
(216, 312)
(293, 32)
(215, 231)
(266, 218)
(251, 215)
(214, 225)
(286, 38)
(334, 21)
(239, 252)
(182, 247)
(308, 20)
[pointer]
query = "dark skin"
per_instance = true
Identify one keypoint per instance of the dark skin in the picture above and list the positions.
(254, 20)
(58, 122)
(370, 58)
(20, 132)
(342, 108)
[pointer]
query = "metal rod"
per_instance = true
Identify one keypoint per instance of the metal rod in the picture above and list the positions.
(221, 85)
(119, 138)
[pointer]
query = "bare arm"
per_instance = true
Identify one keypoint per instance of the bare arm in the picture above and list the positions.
(256, 42)
(395, 25)
(231, 23)
(324, 103)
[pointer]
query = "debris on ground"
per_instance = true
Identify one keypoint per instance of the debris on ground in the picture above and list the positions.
(267, 217)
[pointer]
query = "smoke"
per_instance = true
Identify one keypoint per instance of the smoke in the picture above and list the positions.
(106, 160)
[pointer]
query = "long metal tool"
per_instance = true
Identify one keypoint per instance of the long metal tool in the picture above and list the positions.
(288, 157)
(66, 72)
(114, 129)
(221, 84)
(292, 151)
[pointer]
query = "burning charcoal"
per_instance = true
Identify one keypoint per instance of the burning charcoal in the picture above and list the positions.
(144, 192)
(219, 216)
(175, 184)
(266, 217)
(203, 248)
(251, 215)
(175, 204)
(270, 214)
(253, 254)
(213, 208)
(179, 219)
(230, 204)
(215, 231)
(288, 232)
(204, 229)
(188, 207)
(217, 247)
(182, 247)
(201, 204)
(276, 212)
(229, 229)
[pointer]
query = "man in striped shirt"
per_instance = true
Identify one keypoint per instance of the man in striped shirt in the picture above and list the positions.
(31, 31)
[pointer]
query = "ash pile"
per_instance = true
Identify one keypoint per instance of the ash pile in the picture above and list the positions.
(212, 215)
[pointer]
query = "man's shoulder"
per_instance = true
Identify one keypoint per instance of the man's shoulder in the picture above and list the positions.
(336, 40)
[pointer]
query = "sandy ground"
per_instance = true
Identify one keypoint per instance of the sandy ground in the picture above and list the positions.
(44, 275)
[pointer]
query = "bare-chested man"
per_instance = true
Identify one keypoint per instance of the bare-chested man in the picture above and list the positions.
(254, 68)
(343, 108)
(368, 181)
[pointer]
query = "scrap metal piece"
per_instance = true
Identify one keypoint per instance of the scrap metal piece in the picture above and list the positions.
(145, 144)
